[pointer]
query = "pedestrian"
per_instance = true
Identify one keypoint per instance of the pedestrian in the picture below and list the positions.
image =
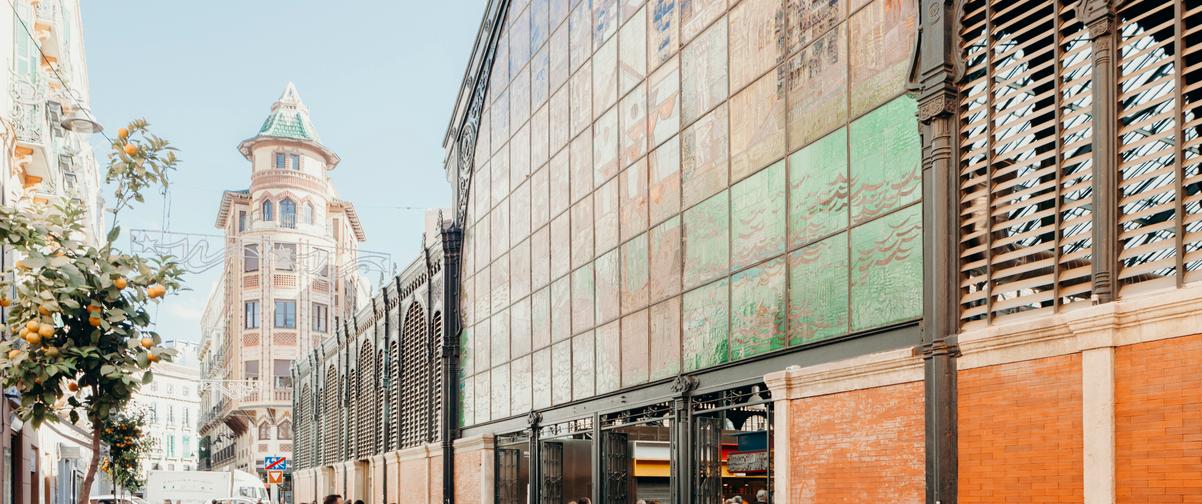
(761, 496)
(333, 499)
(359, 501)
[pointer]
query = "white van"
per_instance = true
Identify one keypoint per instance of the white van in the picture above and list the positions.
(202, 487)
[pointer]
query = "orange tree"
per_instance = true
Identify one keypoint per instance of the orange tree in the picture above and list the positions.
(125, 436)
(78, 341)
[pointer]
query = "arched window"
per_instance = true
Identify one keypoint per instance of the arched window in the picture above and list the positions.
(283, 430)
(264, 431)
(308, 213)
(288, 213)
(268, 211)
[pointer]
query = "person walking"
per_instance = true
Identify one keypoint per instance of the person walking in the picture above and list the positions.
(333, 499)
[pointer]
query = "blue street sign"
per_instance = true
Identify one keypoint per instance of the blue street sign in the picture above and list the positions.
(275, 463)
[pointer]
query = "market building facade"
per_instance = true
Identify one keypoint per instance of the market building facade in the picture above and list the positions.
(847, 250)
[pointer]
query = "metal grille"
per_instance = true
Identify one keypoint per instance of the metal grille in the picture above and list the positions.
(551, 487)
(1160, 184)
(414, 373)
(508, 465)
(301, 417)
(1025, 158)
(353, 407)
(436, 368)
(330, 426)
(365, 421)
(380, 408)
(394, 416)
(615, 456)
(709, 464)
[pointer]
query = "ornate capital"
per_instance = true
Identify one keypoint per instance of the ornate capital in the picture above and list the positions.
(935, 105)
(533, 419)
(940, 346)
(684, 384)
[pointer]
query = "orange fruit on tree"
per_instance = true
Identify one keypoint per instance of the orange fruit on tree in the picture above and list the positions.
(13, 354)
(120, 282)
(93, 308)
(72, 386)
(94, 321)
(24, 331)
(21, 265)
(147, 342)
(52, 352)
(5, 302)
(44, 310)
(46, 331)
(156, 291)
(150, 356)
(123, 133)
(131, 149)
(33, 339)
(33, 325)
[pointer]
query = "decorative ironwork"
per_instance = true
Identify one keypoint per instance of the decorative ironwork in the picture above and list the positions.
(660, 413)
(509, 462)
(366, 419)
(236, 390)
(684, 384)
(708, 475)
(414, 383)
(551, 468)
(616, 460)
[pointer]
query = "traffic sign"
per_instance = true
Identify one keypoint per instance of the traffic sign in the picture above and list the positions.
(278, 463)
(275, 477)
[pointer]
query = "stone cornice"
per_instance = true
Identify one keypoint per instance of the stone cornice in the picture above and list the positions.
(1169, 313)
(481, 442)
(866, 371)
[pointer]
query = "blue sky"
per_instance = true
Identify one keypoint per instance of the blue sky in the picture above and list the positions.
(379, 77)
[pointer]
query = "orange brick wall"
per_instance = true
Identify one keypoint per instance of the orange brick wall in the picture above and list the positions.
(858, 447)
(1020, 432)
(1158, 421)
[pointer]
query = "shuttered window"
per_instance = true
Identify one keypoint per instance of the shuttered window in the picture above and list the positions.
(415, 370)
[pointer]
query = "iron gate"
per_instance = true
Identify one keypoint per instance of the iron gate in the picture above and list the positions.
(551, 465)
(708, 474)
(508, 471)
(615, 455)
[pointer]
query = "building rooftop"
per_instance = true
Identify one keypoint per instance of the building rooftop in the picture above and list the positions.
(290, 118)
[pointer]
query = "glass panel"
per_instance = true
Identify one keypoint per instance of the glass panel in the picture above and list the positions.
(886, 269)
(663, 98)
(818, 291)
(665, 338)
(540, 255)
(482, 342)
(560, 254)
(706, 326)
(580, 31)
(519, 156)
(519, 99)
(519, 220)
(483, 392)
(609, 358)
(665, 259)
(583, 298)
(757, 312)
(605, 147)
(695, 15)
(633, 196)
(499, 221)
(635, 345)
(884, 33)
(500, 283)
(582, 166)
(561, 372)
(704, 156)
(706, 240)
(818, 189)
(634, 274)
(540, 209)
(500, 336)
(538, 22)
(756, 39)
(560, 115)
(606, 216)
(500, 117)
(539, 143)
(758, 208)
(541, 380)
(540, 318)
(809, 19)
(634, 126)
(607, 285)
(703, 63)
(500, 391)
(558, 54)
(583, 366)
(519, 40)
(664, 189)
(817, 82)
(561, 309)
(757, 126)
(582, 231)
(663, 29)
(886, 160)
(519, 327)
(467, 401)
(605, 76)
(632, 57)
(605, 20)
(521, 393)
(499, 182)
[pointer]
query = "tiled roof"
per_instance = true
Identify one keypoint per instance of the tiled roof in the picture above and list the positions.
(289, 118)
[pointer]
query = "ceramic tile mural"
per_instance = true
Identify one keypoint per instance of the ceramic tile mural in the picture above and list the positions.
(758, 222)
(886, 269)
(818, 290)
(886, 159)
(665, 338)
(663, 186)
(706, 240)
(706, 326)
(758, 310)
(703, 67)
(818, 189)
(883, 33)
(609, 358)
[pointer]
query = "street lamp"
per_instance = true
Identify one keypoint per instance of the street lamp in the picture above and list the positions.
(80, 120)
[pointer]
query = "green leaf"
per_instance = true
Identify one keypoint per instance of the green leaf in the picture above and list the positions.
(147, 377)
(114, 234)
